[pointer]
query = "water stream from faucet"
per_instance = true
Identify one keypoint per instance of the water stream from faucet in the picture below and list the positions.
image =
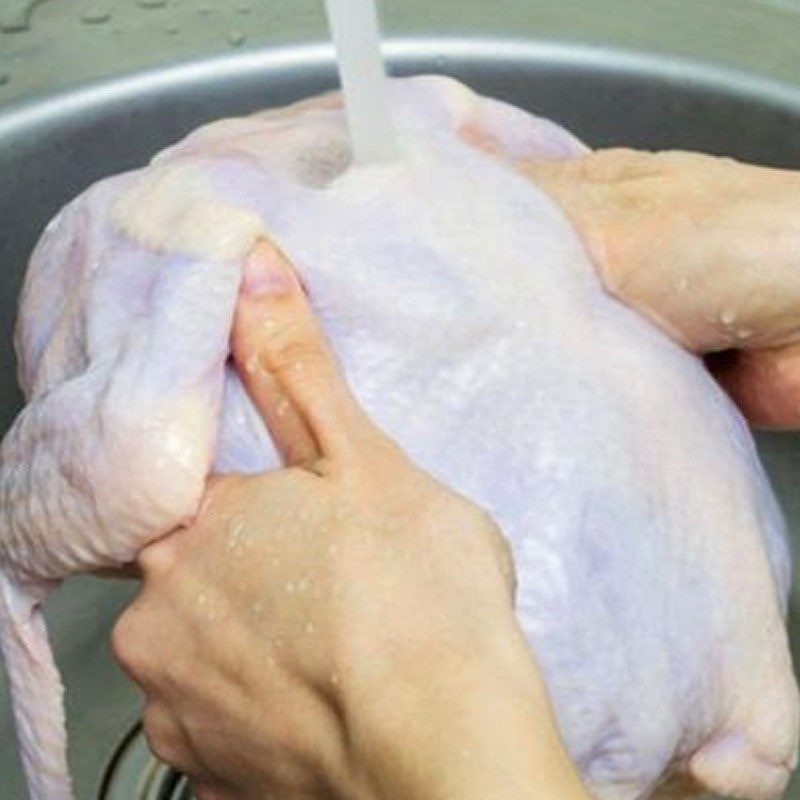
(356, 35)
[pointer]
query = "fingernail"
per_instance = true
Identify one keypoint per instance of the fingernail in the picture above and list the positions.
(266, 274)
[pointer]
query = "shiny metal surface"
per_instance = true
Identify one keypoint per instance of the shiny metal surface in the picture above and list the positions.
(52, 148)
(61, 48)
(135, 774)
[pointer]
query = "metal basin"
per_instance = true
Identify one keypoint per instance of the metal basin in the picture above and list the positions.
(51, 150)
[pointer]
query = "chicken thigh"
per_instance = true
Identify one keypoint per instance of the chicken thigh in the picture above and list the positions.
(653, 568)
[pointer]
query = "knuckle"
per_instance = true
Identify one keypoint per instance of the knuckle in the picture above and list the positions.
(375, 457)
(127, 647)
(164, 737)
(297, 355)
(158, 558)
(614, 164)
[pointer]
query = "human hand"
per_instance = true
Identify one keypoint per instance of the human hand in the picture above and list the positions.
(706, 247)
(340, 628)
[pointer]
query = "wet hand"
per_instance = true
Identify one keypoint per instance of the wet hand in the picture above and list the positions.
(706, 247)
(343, 627)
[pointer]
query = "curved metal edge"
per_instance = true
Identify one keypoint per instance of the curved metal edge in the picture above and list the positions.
(483, 51)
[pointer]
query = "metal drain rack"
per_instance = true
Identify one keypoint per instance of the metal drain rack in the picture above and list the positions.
(134, 773)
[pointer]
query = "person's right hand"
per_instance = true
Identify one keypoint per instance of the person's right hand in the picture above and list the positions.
(706, 247)
(342, 628)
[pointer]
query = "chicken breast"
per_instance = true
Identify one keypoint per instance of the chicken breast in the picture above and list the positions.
(653, 568)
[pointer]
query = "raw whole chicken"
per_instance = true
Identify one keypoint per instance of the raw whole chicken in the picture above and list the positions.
(653, 568)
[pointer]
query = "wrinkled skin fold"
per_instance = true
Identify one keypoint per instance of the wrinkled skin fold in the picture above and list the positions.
(652, 561)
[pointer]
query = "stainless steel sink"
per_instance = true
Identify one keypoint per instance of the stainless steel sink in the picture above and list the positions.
(53, 147)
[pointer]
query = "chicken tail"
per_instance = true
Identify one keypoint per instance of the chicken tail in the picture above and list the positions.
(36, 690)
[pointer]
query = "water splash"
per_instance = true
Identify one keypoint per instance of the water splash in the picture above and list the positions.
(237, 38)
(354, 26)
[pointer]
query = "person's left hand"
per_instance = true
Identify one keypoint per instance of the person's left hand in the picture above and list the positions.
(706, 247)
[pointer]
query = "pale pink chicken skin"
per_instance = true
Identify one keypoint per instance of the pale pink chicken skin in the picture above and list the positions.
(651, 554)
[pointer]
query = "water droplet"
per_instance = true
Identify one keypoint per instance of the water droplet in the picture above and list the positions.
(251, 365)
(289, 587)
(96, 15)
(237, 38)
(201, 599)
(743, 333)
(310, 628)
(727, 317)
(282, 408)
(683, 284)
(335, 678)
(17, 18)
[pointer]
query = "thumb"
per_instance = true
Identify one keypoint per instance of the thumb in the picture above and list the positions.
(286, 364)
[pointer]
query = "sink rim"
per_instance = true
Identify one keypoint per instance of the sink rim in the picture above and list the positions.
(71, 102)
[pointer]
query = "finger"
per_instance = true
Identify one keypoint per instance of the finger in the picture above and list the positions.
(129, 646)
(286, 364)
(765, 384)
(613, 166)
(157, 558)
